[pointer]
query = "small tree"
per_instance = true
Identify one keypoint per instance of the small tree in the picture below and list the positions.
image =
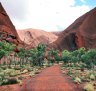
(37, 55)
(5, 48)
(89, 58)
(41, 53)
(22, 54)
(52, 55)
(66, 56)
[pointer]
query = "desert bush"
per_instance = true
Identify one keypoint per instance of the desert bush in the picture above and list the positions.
(88, 87)
(89, 58)
(66, 56)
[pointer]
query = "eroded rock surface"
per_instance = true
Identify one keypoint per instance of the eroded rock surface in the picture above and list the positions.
(7, 29)
(82, 33)
(33, 37)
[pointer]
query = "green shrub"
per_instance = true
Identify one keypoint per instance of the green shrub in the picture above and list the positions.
(92, 77)
(77, 80)
(10, 81)
(88, 87)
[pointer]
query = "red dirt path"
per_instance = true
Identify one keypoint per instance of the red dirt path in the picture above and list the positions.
(50, 79)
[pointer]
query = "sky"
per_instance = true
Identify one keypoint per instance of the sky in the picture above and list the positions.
(48, 15)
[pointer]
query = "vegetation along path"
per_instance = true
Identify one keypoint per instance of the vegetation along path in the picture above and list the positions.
(50, 79)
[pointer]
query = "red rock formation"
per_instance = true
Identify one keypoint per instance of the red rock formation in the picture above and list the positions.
(30, 37)
(58, 33)
(34, 36)
(7, 29)
(82, 33)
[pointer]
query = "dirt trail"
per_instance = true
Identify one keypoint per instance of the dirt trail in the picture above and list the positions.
(50, 79)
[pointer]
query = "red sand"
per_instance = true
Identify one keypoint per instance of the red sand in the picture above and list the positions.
(50, 79)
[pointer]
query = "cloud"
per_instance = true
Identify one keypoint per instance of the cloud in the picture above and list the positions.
(44, 14)
(16, 9)
(70, 15)
(83, 1)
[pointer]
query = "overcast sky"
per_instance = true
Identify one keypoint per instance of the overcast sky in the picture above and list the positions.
(49, 15)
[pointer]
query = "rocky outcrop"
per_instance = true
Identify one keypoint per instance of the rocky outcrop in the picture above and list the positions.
(33, 37)
(82, 33)
(7, 29)
(57, 33)
(27, 38)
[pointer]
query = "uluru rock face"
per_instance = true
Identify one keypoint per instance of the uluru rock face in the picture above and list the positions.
(7, 29)
(82, 33)
(33, 37)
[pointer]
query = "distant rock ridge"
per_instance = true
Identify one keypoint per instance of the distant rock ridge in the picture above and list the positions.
(35, 36)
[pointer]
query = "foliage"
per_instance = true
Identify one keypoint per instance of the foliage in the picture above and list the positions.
(77, 55)
(77, 80)
(89, 87)
(53, 55)
(80, 57)
(5, 48)
(89, 58)
(22, 54)
(66, 56)
(36, 55)
(92, 77)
